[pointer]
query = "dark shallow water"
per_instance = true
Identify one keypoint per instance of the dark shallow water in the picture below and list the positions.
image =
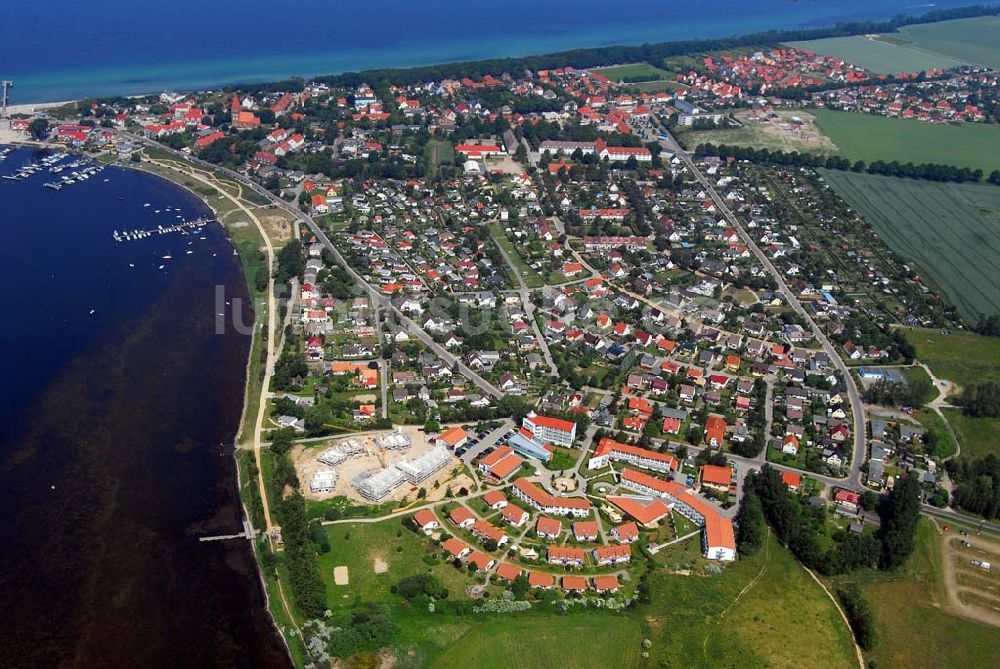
(123, 412)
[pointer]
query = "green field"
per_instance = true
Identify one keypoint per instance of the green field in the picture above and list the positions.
(358, 545)
(962, 357)
(914, 629)
(578, 640)
(879, 56)
(531, 277)
(978, 436)
(973, 40)
(918, 47)
(783, 620)
(951, 232)
(869, 137)
(632, 72)
(936, 426)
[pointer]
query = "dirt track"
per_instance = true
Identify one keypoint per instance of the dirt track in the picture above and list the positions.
(962, 579)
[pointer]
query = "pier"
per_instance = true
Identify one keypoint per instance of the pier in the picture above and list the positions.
(185, 228)
(248, 533)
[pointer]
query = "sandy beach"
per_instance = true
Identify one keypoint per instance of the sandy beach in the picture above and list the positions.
(33, 107)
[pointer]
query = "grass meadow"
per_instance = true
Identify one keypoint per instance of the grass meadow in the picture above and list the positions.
(632, 72)
(782, 619)
(914, 629)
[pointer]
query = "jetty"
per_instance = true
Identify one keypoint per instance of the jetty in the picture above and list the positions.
(248, 533)
(184, 228)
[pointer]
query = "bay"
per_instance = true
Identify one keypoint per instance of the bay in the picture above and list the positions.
(118, 397)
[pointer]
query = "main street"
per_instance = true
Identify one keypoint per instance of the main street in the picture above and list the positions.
(378, 299)
(854, 396)
(852, 482)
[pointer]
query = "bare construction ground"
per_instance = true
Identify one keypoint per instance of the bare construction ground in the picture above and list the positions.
(371, 458)
(973, 592)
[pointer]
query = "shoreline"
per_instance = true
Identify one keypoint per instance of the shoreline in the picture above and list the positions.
(261, 578)
(697, 41)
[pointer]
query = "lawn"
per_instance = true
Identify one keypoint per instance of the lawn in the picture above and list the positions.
(962, 357)
(696, 621)
(935, 425)
(578, 640)
(977, 436)
(914, 629)
(869, 137)
(879, 56)
(357, 545)
(916, 375)
(632, 72)
(951, 231)
(531, 277)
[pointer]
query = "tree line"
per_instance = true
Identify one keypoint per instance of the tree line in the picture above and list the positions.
(927, 171)
(300, 552)
(654, 54)
(799, 526)
(977, 484)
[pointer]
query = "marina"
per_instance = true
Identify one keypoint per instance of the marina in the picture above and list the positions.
(82, 170)
(184, 228)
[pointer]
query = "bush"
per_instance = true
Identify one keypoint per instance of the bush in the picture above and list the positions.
(859, 614)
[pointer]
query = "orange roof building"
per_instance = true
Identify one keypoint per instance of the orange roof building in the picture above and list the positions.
(608, 450)
(718, 539)
(715, 430)
(507, 571)
(539, 579)
(605, 584)
(453, 437)
(715, 476)
(573, 583)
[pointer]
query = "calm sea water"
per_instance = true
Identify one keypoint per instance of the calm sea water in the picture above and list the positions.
(110, 457)
(67, 49)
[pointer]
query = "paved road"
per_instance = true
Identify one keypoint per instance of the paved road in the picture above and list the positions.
(857, 408)
(529, 310)
(853, 482)
(376, 297)
(271, 343)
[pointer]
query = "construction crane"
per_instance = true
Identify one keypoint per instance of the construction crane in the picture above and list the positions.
(6, 83)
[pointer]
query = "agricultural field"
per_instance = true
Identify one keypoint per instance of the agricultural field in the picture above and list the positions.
(950, 231)
(764, 611)
(915, 625)
(869, 137)
(918, 47)
(878, 55)
(632, 72)
(787, 131)
(974, 40)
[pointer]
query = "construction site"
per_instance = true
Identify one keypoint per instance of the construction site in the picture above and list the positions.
(377, 467)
